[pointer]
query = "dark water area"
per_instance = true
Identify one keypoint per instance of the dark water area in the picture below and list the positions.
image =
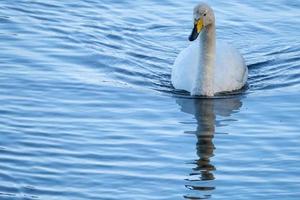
(88, 110)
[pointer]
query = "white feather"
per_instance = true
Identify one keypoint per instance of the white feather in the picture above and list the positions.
(224, 69)
(230, 70)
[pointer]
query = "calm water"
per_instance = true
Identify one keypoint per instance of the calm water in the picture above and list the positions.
(88, 111)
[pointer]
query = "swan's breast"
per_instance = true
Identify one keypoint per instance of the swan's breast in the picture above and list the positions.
(231, 71)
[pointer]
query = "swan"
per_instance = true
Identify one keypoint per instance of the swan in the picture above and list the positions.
(206, 67)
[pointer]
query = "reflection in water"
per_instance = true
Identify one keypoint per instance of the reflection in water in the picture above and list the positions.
(205, 112)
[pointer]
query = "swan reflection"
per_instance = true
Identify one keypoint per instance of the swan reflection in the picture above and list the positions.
(205, 112)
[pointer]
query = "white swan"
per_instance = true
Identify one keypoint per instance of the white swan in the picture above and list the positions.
(207, 68)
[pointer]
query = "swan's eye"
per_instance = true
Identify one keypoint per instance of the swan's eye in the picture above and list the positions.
(204, 14)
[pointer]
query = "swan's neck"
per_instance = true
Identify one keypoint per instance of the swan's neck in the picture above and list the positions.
(205, 79)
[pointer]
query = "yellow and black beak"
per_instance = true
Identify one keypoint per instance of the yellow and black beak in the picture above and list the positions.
(198, 25)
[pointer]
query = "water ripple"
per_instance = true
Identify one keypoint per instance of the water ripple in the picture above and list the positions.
(88, 110)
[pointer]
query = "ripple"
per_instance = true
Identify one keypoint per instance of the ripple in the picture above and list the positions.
(88, 110)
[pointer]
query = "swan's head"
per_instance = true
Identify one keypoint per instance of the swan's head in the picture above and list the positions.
(203, 17)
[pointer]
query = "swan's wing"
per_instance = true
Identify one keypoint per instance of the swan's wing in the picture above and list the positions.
(231, 71)
(184, 67)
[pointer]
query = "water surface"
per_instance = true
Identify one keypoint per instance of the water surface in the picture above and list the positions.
(88, 110)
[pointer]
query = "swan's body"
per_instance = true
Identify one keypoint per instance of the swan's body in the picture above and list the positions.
(207, 67)
(230, 71)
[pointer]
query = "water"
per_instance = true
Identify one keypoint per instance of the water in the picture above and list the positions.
(88, 110)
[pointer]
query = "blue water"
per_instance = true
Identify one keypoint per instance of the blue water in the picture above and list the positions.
(88, 110)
